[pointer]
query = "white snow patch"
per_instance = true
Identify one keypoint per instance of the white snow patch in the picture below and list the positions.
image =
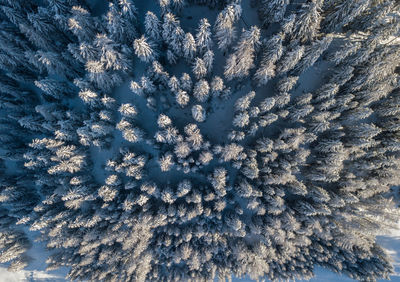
(28, 275)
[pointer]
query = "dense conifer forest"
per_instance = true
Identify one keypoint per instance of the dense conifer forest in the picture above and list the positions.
(188, 140)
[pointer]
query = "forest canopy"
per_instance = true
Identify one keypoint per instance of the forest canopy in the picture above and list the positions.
(188, 140)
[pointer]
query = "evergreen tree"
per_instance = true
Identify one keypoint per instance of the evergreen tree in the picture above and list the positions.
(171, 57)
(173, 84)
(243, 103)
(224, 25)
(121, 21)
(308, 21)
(347, 50)
(242, 60)
(128, 110)
(55, 88)
(182, 98)
(290, 59)
(178, 5)
(287, 83)
(272, 52)
(144, 50)
(201, 90)
(170, 24)
(203, 37)
(81, 24)
(186, 82)
(166, 162)
(189, 46)
(313, 52)
(199, 68)
(344, 13)
(208, 60)
(241, 119)
(272, 11)
(152, 26)
(218, 180)
(194, 136)
(102, 78)
(198, 113)
(217, 85)
(182, 150)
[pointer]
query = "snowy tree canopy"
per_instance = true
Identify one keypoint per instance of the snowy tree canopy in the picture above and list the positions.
(194, 140)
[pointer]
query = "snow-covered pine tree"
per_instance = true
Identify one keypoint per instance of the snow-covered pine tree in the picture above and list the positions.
(144, 49)
(204, 40)
(55, 88)
(81, 24)
(312, 53)
(225, 32)
(152, 26)
(189, 46)
(208, 59)
(178, 5)
(173, 84)
(198, 113)
(308, 21)
(199, 68)
(272, 51)
(241, 61)
(166, 162)
(218, 180)
(272, 11)
(241, 119)
(122, 21)
(343, 14)
(182, 98)
(182, 150)
(201, 90)
(186, 82)
(217, 85)
(290, 59)
(243, 103)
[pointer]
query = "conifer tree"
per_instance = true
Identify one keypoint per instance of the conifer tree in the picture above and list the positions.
(144, 50)
(182, 98)
(308, 21)
(203, 37)
(344, 13)
(121, 21)
(217, 85)
(208, 60)
(199, 68)
(189, 46)
(243, 103)
(198, 113)
(201, 90)
(241, 119)
(81, 24)
(186, 82)
(241, 61)
(290, 59)
(225, 32)
(152, 26)
(272, 11)
(313, 52)
(272, 52)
